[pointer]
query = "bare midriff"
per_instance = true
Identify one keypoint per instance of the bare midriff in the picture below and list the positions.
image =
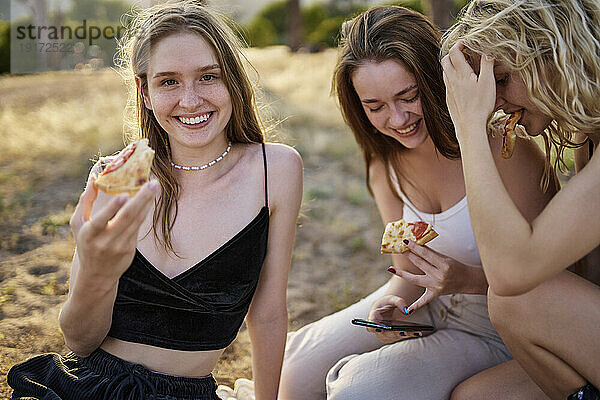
(166, 361)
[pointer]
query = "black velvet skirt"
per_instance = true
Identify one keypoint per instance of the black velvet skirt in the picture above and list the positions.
(101, 376)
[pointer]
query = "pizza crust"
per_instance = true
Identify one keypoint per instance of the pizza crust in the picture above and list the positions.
(509, 138)
(507, 126)
(127, 175)
(397, 231)
(427, 237)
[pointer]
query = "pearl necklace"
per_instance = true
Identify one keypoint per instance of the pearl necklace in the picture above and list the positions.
(201, 167)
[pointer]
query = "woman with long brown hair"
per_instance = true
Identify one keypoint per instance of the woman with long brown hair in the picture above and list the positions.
(144, 318)
(389, 84)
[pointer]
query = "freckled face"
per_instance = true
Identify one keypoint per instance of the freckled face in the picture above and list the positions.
(390, 98)
(186, 90)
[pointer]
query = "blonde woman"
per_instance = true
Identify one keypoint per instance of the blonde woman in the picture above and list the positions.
(161, 282)
(540, 57)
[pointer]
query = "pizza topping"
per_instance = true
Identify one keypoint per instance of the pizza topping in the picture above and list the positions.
(128, 171)
(120, 159)
(418, 228)
(512, 122)
(420, 232)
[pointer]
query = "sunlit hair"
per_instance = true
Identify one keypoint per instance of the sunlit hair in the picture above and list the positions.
(407, 37)
(555, 47)
(145, 29)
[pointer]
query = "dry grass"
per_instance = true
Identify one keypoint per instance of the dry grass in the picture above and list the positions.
(53, 123)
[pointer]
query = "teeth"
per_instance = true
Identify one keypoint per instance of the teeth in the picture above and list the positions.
(195, 120)
(410, 128)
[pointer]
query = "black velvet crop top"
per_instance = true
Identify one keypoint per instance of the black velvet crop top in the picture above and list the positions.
(201, 308)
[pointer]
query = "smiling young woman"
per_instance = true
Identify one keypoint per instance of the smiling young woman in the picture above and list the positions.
(161, 283)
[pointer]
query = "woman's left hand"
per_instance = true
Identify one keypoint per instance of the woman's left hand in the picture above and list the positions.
(443, 275)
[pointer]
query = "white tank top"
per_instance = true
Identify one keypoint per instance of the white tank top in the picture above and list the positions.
(456, 238)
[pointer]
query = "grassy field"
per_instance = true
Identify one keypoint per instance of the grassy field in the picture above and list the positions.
(53, 124)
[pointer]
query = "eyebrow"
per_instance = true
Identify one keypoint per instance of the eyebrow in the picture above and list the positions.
(400, 93)
(201, 69)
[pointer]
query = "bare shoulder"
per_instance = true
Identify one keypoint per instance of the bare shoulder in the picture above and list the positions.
(283, 162)
(389, 204)
(285, 170)
(522, 176)
(282, 155)
(528, 158)
(377, 171)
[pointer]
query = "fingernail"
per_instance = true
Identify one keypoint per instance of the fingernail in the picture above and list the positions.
(122, 198)
(392, 270)
(405, 241)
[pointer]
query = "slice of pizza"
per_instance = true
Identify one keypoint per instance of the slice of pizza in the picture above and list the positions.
(420, 232)
(509, 137)
(127, 171)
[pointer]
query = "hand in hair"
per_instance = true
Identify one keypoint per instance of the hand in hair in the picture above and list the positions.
(470, 97)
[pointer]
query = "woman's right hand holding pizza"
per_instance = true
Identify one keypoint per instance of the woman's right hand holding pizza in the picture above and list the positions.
(106, 241)
(390, 308)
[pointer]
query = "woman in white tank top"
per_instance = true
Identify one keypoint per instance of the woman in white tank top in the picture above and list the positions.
(388, 80)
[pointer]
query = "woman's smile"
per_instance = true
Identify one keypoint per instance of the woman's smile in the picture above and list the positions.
(409, 130)
(195, 121)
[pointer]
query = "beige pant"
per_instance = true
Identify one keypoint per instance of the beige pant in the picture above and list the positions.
(333, 359)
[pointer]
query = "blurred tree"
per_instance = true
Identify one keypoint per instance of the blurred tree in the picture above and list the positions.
(39, 10)
(276, 14)
(294, 23)
(260, 33)
(327, 32)
(440, 12)
(321, 20)
(416, 5)
(312, 16)
(103, 10)
(4, 47)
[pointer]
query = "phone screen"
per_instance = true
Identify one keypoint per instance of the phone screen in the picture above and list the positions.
(393, 325)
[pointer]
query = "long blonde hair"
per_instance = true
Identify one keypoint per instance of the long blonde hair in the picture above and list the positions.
(555, 47)
(145, 30)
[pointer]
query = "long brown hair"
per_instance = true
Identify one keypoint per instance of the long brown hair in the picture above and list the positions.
(146, 29)
(399, 34)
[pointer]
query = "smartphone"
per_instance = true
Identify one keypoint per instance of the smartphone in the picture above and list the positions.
(393, 325)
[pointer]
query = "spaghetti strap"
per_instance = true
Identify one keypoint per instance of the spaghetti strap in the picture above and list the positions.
(265, 163)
